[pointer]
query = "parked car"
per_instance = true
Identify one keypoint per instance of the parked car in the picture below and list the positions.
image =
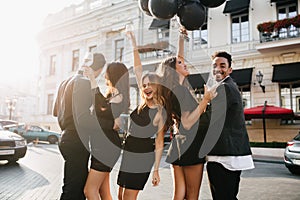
(33, 132)
(292, 155)
(7, 122)
(12, 146)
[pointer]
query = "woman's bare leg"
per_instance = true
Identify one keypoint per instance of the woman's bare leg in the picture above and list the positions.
(130, 194)
(93, 184)
(120, 193)
(193, 178)
(105, 189)
(179, 183)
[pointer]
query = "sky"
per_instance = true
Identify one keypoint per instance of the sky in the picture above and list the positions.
(21, 20)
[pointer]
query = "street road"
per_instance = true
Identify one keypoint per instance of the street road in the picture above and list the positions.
(38, 176)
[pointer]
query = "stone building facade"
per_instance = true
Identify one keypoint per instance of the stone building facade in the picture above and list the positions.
(99, 25)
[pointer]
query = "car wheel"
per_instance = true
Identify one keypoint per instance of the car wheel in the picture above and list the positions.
(294, 170)
(52, 139)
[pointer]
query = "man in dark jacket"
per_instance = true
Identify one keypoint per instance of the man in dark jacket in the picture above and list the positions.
(74, 108)
(231, 153)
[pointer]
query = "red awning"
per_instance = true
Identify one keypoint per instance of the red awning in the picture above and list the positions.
(273, 112)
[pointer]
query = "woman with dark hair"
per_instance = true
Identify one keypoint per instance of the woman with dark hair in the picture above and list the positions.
(144, 142)
(189, 127)
(108, 109)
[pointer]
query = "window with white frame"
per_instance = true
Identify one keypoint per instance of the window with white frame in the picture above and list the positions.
(204, 33)
(240, 28)
(282, 101)
(246, 95)
(290, 99)
(75, 60)
(298, 104)
(119, 49)
(92, 49)
(287, 10)
(199, 37)
(290, 93)
(50, 104)
(163, 34)
(52, 65)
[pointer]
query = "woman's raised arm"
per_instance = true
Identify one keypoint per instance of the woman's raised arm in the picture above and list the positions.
(181, 38)
(138, 68)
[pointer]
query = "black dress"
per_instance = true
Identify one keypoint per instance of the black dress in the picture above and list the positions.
(185, 146)
(138, 154)
(106, 113)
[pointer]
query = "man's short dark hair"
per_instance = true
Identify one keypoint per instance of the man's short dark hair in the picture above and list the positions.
(223, 54)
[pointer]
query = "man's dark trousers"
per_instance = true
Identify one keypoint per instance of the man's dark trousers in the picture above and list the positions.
(226, 188)
(76, 159)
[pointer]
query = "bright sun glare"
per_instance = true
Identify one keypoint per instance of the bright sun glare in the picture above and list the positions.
(21, 20)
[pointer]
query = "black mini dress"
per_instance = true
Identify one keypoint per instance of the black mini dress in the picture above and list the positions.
(185, 145)
(106, 113)
(138, 154)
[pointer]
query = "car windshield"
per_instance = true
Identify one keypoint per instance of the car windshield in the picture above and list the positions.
(297, 137)
(44, 128)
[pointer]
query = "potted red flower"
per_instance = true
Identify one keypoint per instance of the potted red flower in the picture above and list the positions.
(296, 21)
(284, 23)
(266, 27)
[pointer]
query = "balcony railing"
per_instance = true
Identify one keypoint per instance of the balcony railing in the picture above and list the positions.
(284, 33)
(156, 50)
(280, 29)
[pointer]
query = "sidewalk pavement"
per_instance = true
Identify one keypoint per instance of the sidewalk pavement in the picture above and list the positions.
(165, 188)
(271, 155)
(44, 181)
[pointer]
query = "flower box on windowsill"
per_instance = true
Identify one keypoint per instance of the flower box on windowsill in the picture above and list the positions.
(269, 27)
(266, 27)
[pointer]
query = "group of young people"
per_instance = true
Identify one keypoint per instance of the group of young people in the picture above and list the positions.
(90, 121)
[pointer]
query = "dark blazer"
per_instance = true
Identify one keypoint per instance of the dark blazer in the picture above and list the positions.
(71, 107)
(234, 140)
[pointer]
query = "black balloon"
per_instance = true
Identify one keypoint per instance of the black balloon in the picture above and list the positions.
(163, 9)
(143, 4)
(192, 15)
(212, 3)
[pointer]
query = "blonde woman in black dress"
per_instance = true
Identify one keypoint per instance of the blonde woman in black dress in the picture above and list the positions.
(144, 143)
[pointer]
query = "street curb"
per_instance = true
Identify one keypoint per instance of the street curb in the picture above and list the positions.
(268, 161)
(268, 155)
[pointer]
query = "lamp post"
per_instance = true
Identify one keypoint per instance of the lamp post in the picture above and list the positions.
(11, 105)
(259, 78)
(264, 121)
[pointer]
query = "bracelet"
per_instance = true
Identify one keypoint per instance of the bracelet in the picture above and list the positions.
(183, 35)
(182, 32)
